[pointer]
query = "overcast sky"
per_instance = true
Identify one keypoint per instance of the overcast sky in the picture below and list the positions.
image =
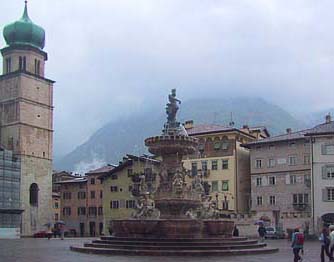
(110, 58)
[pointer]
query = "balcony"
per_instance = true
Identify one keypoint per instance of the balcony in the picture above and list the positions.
(300, 206)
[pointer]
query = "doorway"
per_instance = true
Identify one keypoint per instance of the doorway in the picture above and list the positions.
(92, 231)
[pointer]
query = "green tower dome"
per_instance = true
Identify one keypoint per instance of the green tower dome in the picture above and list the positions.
(24, 32)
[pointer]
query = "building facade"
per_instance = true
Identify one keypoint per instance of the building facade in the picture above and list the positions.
(223, 164)
(73, 205)
(322, 149)
(118, 186)
(94, 224)
(26, 116)
(281, 180)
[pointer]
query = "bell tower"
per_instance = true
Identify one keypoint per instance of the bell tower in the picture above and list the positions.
(26, 118)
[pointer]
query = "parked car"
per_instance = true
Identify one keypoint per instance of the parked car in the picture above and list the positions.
(40, 234)
(274, 233)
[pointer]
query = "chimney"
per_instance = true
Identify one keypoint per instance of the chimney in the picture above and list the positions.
(245, 127)
(188, 124)
(328, 118)
(288, 131)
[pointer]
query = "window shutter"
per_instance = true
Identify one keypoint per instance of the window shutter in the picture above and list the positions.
(323, 149)
(324, 194)
(264, 180)
(287, 179)
(324, 172)
(122, 203)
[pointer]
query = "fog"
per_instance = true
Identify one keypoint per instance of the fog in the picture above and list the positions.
(112, 58)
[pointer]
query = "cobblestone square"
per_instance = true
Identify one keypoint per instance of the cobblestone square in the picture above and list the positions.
(38, 250)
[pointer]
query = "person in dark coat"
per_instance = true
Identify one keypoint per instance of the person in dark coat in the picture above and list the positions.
(262, 232)
(235, 231)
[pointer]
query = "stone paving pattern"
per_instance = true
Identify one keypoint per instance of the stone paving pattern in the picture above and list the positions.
(41, 250)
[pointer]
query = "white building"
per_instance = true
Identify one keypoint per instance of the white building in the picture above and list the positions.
(322, 173)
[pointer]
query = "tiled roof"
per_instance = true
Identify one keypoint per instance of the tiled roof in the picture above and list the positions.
(103, 169)
(76, 180)
(284, 137)
(324, 128)
(201, 129)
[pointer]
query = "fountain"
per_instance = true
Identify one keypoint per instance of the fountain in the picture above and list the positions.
(178, 218)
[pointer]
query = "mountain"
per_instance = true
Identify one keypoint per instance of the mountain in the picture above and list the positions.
(117, 138)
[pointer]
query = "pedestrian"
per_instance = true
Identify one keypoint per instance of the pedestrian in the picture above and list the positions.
(331, 236)
(297, 245)
(262, 232)
(61, 231)
(325, 243)
(235, 231)
(49, 232)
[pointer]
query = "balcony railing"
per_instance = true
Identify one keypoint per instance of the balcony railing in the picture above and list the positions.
(300, 206)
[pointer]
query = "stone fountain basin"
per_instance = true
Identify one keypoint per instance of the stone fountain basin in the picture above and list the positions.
(162, 145)
(172, 228)
(133, 227)
(218, 227)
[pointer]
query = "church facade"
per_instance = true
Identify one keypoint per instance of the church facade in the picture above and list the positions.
(26, 118)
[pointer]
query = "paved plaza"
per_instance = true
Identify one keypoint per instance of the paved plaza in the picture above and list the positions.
(38, 250)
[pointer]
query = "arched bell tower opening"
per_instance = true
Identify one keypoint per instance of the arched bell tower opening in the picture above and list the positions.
(33, 195)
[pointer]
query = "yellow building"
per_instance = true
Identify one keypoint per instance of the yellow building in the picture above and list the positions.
(223, 164)
(118, 201)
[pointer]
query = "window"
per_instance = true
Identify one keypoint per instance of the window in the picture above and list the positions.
(92, 211)
(81, 211)
(81, 195)
(292, 160)
(259, 200)
(22, 63)
(307, 179)
(327, 149)
(300, 199)
(328, 172)
(101, 194)
(225, 204)
(293, 179)
(37, 66)
(56, 205)
(130, 172)
(225, 145)
(225, 185)
(271, 162)
(8, 65)
(204, 165)
(292, 144)
(194, 168)
(214, 186)
(216, 145)
(259, 181)
(130, 204)
(56, 216)
(33, 194)
(214, 164)
(92, 194)
(272, 180)
(113, 189)
(114, 177)
(201, 147)
(114, 204)
(225, 164)
(92, 181)
(330, 194)
(66, 211)
(306, 159)
(258, 163)
(100, 211)
(272, 200)
(67, 195)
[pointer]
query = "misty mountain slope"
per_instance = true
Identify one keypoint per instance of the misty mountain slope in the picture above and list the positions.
(110, 143)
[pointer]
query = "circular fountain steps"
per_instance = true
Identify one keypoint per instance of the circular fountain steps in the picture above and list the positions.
(174, 247)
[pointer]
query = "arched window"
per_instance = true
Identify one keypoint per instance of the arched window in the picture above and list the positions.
(33, 194)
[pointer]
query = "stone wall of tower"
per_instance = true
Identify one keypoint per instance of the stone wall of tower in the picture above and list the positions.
(26, 114)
